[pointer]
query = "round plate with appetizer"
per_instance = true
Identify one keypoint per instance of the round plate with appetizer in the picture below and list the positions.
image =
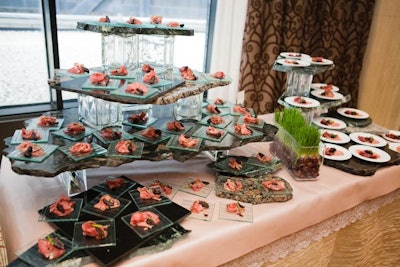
(324, 86)
(328, 95)
(320, 61)
(329, 123)
(294, 55)
(392, 136)
(335, 137)
(353, 113)
(395, 147)
(335, 152)
(302, 101)
(368, 153)
(293, 62)
(368, 139)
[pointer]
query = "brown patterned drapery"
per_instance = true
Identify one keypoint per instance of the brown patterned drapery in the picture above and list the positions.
(333, 29)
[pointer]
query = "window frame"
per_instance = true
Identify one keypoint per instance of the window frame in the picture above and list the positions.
(49, 12)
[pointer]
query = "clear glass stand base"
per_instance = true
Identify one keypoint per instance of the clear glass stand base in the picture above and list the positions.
(74, 182)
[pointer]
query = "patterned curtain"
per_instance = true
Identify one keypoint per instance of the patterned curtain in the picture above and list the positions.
(333, 29)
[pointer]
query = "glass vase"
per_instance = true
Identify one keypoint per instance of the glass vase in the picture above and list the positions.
(302, 162)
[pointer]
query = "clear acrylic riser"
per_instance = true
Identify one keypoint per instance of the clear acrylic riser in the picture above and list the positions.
(74, 182)
(134, 50)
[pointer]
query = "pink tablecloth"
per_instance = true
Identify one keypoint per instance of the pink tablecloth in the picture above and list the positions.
(210, 243)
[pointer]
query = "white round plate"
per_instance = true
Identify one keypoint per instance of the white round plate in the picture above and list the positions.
(332, 123)
(346, 154)
(293, 62)
(396, 133)
(324, 62)
(382, 155)
(339, 137)
(377, 140)
(294, 55)
(318, 93)
(357, 113)
(395, 147)
(310, 103)
(321, 86)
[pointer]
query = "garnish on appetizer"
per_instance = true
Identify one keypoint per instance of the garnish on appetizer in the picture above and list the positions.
(233, 186)
(107, 202)
(175, 126)
(99, 79)
(105, 19)
(138, 118)
(132, 20)
(235, 164)
(151, 77)
(214, 132)
(149, 193)
(368, 154)
(274, 184)
(213, 109)
(121, 71)
(240, 109)
(51, 248)
(263, 158)
(219, 101)
(47, 121)
(301, 100)
(367, 139)
(125, 147)
(317, 59)
(197, 184)
(331, 136)
(166, 188)
(250, 119)
(331, 151)
(199, 206)
(33, 135)
(187, 141)
(216, 119)
(96, 230)
(144, 219)
(151, 133)
(136, 88)
(218, 75)
(291, 61)
(243, 129)
(81, 148)
(392, 136)
(329, 122)
(147, 68)
(175, 24)
(156, 19)
(74, 128)
(115, 183)
(236, 207)
(78, 69)
(29, 149)
(187, 73)
(64, 206)
(110, 134)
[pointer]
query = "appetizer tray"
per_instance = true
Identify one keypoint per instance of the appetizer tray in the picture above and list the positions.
(127, 240)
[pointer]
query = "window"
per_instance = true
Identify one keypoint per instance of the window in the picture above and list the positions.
(23, 47)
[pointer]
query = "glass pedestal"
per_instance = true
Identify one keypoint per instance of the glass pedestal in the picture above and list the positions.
(156, 50)
(298, 84)
(118, 50)
(98, 113)
(189, 108)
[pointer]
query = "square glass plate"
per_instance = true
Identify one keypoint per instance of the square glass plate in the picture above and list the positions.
(143, 125)
(97, 151)
(203, 192)
(223, 165)
(117, 191)
(259, 125)
(34, 258)
(110, 213)
(47, 216)
(226, 122)
(161, 82)
(145, 203)
(274, 164)
(167, 189)
(33, 124)
(201, 132)
(152, 141)
(124, 135)
(254, 134)
(185, 130)
(112, 85)
(121, 92)
(143, 232)
(47, 148)
(174, 144)
(137, 154)
(205, 215)
(17, 137)
(76, 137)
(246, 217)
(80, 241)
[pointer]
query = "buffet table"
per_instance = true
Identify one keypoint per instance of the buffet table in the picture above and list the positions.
(214, 242)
